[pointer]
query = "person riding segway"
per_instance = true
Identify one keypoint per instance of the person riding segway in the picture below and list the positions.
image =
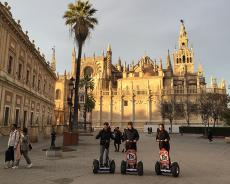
(165, 165)
(130, 163)
(104, 164)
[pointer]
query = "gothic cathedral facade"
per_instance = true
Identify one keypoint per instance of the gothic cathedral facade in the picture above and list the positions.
(134, 92)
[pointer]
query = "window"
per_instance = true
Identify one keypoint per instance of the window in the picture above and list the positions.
(125, 103)
(33, 82)
(192, 89)
(179, 108)
(6, 116)
(88, 71)
(27, 76)
(24, 118)
(19, 71)
(184, 58)
(17, 116)
(31, 118)
(58, 94)
(10, 65)
(38, 84)
(179, 89)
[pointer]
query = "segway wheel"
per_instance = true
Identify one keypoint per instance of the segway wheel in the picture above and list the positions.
(175, 169)
(123, 167)
(95, 166)
(112, 167)
(140, 170)
(158, 168)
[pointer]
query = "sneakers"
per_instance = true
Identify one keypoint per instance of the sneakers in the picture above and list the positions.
(29, 165)
(15, 167)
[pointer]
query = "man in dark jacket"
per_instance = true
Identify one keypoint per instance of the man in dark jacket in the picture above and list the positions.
(163, 138)
(104, 135)
(131, 137)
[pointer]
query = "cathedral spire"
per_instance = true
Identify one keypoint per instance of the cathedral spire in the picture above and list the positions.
(183, 37)
(160, 67)
(53, 62)
(168, 62)
(109, 49)
(109, 61)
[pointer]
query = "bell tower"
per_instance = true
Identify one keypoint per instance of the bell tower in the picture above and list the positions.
(184, 56)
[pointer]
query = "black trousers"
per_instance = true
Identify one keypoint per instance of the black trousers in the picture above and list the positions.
(9, 154)
(117, 146)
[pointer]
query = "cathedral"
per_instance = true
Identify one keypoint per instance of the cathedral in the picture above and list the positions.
(134, 92)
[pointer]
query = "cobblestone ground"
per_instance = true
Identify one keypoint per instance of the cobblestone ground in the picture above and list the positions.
(200, 163)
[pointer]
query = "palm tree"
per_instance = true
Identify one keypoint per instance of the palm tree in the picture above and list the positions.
(88, 84)
(80, 18)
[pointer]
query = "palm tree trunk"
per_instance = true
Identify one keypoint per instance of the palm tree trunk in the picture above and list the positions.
(76, 91)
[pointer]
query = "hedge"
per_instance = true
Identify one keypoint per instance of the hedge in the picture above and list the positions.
(217, 131)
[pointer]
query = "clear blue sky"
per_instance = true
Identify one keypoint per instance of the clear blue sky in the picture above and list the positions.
(134, 27)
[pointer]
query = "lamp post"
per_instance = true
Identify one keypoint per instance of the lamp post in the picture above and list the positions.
(70, 102)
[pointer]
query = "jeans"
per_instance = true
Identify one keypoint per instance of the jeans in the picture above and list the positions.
(104, 155)
(26, 156)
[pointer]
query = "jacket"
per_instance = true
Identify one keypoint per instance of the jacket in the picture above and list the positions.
(13, 139)
(162, 135)
(131, 134)
(25, 143)
(105, 136)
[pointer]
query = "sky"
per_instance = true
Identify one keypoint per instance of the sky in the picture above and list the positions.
(134, 28)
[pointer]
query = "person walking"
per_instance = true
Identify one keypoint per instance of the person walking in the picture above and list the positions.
(210, 136)
(12, 145)
(18, 149)
(117, 139)
(24, 148)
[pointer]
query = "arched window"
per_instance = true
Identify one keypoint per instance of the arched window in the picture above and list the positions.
(184, 58)
(88, 71)
(58, 94)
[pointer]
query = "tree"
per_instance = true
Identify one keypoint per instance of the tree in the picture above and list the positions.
(88, 84)
(219, 105)
(212, 106)
(168, 110)
(204, 108)
(189, 108)
(80, 18)
(226, 116)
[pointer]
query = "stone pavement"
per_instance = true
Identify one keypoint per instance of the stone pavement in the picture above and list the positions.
(200, 163)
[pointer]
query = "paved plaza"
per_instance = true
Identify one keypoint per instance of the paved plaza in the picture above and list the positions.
(200, 163)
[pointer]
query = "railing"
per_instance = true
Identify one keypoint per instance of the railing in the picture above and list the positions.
(162, 91)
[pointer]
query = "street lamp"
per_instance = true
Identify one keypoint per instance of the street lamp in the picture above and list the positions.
(70, 101)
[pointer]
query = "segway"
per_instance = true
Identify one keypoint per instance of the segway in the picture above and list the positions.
(130, 164)
(107, 168)
(165, 165)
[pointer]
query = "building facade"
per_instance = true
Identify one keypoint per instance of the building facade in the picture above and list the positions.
(27, 81)
(134, 92)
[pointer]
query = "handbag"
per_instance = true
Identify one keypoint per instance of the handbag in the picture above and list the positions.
(30, 147)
